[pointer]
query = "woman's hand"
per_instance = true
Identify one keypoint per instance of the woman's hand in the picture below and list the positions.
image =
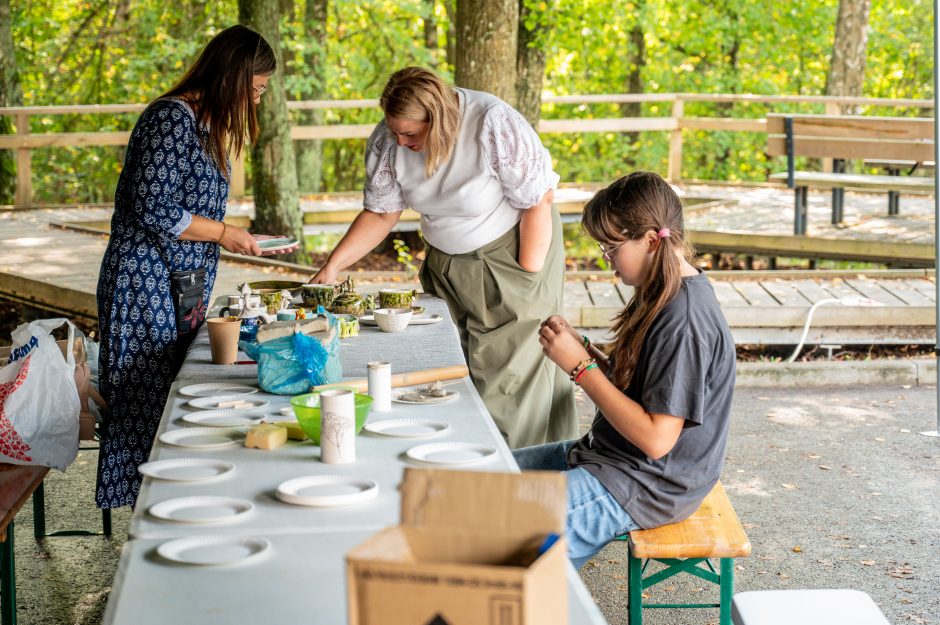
(286, 250)
(561, 343)
(239, 241)
(326, 275)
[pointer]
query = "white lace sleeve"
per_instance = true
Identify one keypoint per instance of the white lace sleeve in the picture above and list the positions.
(382, 193)
(518, 157)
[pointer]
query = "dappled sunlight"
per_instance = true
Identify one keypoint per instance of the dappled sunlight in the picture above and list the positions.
(27, 241)
(754, 486)
(793, 415)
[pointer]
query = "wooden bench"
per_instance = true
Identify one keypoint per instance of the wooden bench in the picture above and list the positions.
(17, 484)
(846, 137)
(713, 531)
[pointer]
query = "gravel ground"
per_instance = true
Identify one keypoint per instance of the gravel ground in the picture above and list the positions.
(835, 487)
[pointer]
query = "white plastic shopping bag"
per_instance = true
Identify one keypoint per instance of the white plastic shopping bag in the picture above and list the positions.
(39, 402)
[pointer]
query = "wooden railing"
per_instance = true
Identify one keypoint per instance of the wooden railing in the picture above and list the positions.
(24, 141)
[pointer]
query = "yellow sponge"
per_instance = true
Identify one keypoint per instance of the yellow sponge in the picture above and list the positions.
(266, 436)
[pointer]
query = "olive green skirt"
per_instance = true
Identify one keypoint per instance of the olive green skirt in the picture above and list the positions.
(497, 307)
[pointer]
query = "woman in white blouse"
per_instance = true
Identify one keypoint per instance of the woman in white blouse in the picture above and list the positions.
(478, 174)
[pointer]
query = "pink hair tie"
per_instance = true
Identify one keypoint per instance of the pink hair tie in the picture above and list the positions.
(663, 233)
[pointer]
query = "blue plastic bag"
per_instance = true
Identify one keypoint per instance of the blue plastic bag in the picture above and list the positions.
(290, 365)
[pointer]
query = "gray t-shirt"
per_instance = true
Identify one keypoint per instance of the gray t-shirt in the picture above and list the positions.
(685, 369)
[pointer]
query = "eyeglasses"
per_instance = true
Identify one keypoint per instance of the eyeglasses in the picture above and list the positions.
(259, 90)
(608, 251)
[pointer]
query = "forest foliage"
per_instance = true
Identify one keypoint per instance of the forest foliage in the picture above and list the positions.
(123, 51)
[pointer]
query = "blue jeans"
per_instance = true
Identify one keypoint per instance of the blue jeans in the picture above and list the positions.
(594, 517)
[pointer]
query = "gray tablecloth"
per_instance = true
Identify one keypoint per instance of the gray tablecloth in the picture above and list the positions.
(417, 347)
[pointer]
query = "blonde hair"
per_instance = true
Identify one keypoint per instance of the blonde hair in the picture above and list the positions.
(417, 94)
(627, 210)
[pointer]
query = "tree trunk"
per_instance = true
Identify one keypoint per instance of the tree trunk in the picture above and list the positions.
(636, 60)
(274, 185)
(530, 59)
(450, 7)
(487, 32)
(310, 153)
(10, 95)
(430, 26)
(847, 70)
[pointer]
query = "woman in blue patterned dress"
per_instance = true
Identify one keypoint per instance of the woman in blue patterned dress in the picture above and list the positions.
(158, 271)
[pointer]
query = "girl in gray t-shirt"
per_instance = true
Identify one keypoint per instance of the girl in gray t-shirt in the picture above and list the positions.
(663, 387)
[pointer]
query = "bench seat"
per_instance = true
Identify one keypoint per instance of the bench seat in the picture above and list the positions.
(713, 531)
(822, 180)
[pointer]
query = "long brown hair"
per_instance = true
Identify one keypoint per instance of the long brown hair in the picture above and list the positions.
(627, 210)
(419, 95)
(219, 88)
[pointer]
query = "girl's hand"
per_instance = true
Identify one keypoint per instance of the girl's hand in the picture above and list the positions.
(286, 250)
(239, 241)
(561, 343)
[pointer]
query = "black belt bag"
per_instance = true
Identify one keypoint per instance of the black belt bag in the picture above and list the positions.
(188, 288)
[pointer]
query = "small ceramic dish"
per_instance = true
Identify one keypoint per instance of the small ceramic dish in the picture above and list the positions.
(392, 319)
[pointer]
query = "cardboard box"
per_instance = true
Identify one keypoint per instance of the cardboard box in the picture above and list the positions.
(448, 562)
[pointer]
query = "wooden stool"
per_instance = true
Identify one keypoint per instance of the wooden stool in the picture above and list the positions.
(806, 607)
(713, 531)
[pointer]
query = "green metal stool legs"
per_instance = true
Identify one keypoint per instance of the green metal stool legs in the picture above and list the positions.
(39, 519)
(700, 567)
(7, 580)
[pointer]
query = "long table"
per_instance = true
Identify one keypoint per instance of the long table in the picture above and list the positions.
(301, 578)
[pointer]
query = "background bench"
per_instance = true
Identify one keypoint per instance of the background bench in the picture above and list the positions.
(848, 137)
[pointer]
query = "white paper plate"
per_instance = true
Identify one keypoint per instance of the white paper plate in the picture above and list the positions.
(202, 438)
(450, 453)
(213, 403)
(201, 509)
(369, 320)
(213, 550)
(185, 469)
(327, 490)
(217, 389)
(407, 428)
(278, 243)
(408, 396)
(225, 418)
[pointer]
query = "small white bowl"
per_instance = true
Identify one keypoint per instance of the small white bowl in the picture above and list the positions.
(392, 319)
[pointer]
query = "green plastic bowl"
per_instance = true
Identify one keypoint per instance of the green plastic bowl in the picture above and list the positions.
(307, 411)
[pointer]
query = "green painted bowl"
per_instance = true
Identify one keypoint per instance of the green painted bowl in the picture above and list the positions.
(273, 286)
(307, 411)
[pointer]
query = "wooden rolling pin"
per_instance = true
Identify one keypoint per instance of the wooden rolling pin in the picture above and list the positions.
(413, 378)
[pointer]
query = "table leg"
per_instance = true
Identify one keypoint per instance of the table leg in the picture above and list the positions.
(39, 512)
(7, 580)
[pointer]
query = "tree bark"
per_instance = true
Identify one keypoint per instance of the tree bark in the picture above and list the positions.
(636, 60)
(274, 185)
(450, 51)
(487, 32)
(430, 26)
(530, 60)
(847, 69)
(310, 153)
(10, 95)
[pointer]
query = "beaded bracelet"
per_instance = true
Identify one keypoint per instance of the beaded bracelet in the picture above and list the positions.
(581, 367)
(577, 378)
(222, 236)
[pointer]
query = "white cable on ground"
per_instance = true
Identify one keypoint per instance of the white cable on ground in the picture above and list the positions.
(845, 301)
